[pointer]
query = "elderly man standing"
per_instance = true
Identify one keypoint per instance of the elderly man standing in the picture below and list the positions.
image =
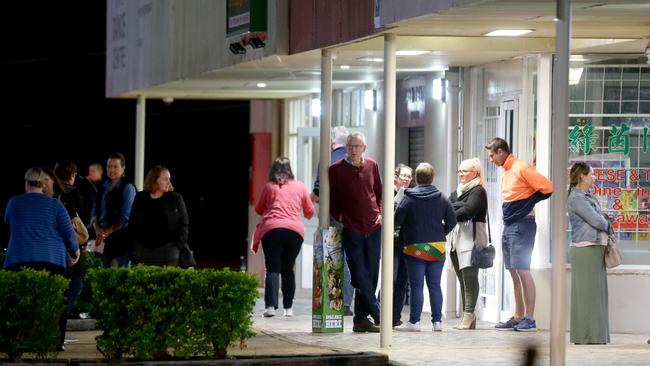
(339, 137)
(521, 188)
(356, 203)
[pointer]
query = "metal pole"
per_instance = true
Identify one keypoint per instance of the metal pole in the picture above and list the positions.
(559, 128)
(139, 142)
(386, 335)
(325, 125)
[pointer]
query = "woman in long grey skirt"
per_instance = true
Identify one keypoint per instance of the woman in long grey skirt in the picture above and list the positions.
(589, 229)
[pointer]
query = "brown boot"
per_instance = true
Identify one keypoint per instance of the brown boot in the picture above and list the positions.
(468, 322)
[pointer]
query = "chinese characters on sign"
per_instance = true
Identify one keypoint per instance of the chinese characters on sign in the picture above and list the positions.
(623, 191)
(582, 138)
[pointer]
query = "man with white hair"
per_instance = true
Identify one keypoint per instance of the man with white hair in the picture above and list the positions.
(356, 199)
(339, 137)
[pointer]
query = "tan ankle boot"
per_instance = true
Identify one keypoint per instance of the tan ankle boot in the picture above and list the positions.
(468, 322)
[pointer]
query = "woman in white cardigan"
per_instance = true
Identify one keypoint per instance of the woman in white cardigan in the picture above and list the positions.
(469, 201)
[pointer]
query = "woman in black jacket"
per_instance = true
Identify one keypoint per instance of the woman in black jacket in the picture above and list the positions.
(469, 201)
(159, 224)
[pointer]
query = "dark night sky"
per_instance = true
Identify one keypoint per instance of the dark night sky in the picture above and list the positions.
(53, 107)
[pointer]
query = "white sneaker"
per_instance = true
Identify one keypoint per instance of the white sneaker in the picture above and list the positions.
(437, 326)
(288, 312)
(269, 312)
(409, 327)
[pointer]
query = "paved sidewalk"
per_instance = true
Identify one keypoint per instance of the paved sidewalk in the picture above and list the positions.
(280, 336)
(484, 346)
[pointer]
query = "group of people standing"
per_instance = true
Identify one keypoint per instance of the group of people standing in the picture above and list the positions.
(424, 219)
(57, 215)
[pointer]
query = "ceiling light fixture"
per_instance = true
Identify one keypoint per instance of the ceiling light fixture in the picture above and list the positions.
(371, 59)
(261, 85)
(410, 52)
(345, 67)
(508, 32)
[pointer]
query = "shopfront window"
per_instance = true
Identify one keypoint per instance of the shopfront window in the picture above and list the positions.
(610, 130)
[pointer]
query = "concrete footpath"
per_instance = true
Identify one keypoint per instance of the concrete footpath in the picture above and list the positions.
(291, 336)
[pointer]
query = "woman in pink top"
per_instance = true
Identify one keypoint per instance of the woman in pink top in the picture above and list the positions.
(281, 232)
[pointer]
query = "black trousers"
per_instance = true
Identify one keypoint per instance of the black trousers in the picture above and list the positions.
(281, 248)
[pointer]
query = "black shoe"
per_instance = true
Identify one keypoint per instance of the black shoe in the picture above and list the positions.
(376, 320)
(365, 326)
(347, 311)
(397, 323)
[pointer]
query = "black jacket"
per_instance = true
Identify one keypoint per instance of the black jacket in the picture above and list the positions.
(177, 229)
(471, 205)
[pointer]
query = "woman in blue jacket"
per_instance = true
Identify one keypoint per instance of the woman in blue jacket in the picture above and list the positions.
(589, 229)
(425, 217)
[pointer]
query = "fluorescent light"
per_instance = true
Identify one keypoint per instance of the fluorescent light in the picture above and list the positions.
(261, 85)
(315, 107)
(574, 75)
(438, 91)
(345, 67)
(508, 32)
(371, 59)
(410, 53)
(369, 99)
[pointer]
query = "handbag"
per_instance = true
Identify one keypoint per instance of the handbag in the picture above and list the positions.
(186, 257)
(613, 255)
(80, 230)
(483, 256)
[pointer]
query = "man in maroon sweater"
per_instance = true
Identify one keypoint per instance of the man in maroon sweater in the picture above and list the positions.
(355, 202)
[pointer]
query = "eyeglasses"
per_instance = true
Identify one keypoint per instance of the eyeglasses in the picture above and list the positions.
(406, 176)
(463, 171)
(355, 146)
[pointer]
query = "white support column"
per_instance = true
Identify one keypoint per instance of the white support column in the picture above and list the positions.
(325, 137)
(559, 154)
(139, 142)
(390, 76)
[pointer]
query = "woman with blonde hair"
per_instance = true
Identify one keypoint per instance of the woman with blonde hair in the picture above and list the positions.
(159, 224)
(589, 229)
(469, 201)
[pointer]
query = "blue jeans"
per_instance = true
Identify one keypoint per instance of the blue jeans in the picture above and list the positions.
(400, 282)
(348, 290)
(363, 253)
(418, 271)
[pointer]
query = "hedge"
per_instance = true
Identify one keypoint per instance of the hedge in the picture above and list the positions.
(162, 312)
(31, 303)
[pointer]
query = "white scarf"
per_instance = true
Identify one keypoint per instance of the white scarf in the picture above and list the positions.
(464, 187)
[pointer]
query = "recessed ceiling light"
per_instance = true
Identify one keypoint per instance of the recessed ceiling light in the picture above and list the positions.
(261, 85)
(410, 52)
(508, 32)
(345, 67)
(371, 59)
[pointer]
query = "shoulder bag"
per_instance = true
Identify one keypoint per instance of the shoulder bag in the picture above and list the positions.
(483, 256)
(613, 255)
(80, 230)
(186, 257)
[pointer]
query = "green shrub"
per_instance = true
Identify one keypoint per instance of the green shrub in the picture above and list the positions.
(31, 303)
(90, 261)
(153, 312)
(3, 254)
